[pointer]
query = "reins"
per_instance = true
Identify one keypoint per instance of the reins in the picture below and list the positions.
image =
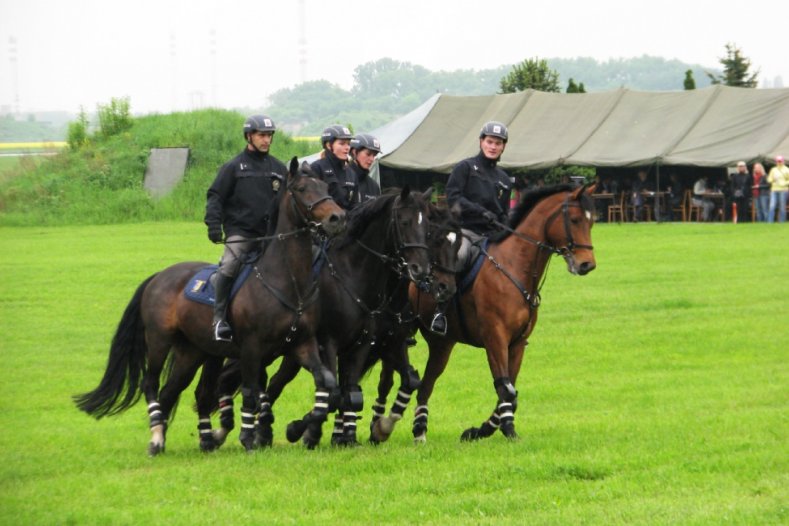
(303, 300)
(533, 299)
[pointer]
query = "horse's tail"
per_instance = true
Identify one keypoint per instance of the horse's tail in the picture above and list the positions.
(119, 389)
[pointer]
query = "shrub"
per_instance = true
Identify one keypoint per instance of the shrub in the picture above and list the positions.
(114, 118)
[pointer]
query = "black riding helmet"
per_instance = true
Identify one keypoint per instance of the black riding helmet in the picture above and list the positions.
(365, 140)
(494, 129)
(261, 123)
(334, 132)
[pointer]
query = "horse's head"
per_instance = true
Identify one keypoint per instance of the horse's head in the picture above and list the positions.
(311, 200)
(569, 228)
(443, 243)
(410, 222)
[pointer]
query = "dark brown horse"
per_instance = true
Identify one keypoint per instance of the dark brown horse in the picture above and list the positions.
(275, 313)
(383, 249)
(395, 329)
(498, 311)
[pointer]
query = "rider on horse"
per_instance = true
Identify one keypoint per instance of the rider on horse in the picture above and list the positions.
(332, 166)
(364, 149)
(481, 191)
(238, 202)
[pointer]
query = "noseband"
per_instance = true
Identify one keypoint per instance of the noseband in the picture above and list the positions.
(306, 214)
(571, 245)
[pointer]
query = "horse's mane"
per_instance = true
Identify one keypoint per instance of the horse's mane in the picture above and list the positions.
(527, 204)
(363, 215)
(273, 213)
(443, 216)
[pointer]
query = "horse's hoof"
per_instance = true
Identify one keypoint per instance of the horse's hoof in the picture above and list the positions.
(155, 448)
(420, 439)
(247, 439)
(208, 445)
(295, 430)
(220, 435)
(382, 429)
(264, 437)
(509, 431)
(470, 434)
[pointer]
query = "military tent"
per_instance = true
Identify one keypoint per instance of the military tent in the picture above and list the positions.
(710, 127)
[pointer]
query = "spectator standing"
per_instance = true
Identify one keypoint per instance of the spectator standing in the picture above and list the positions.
(779, 186)
(740, 184)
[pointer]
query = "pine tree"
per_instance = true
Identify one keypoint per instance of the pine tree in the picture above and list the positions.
(531, 74)
(735, 70)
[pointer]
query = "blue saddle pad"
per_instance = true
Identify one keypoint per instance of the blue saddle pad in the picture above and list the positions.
(201, 289)
(469, 274)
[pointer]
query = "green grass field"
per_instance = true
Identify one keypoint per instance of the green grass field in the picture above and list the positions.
(654, 391)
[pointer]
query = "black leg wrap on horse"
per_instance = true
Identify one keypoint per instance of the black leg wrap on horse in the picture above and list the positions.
(420, 421)
(401, 402)
(379, 408)
(226, 419)
(484, 431)
(266, 416)
(505, 389)
(506, 415)
(155, 415)
(335, 399)
(353, 399)
(411, 381)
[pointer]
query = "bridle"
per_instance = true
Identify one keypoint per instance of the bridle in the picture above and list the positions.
(398, 263)
(305, 215)
(566, 251)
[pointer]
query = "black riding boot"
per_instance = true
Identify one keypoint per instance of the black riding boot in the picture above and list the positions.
(222, 286)
(439, 323)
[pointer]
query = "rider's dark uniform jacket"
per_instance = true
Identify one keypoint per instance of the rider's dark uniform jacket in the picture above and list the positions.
(343, 186)
(368, 188)
(476, 184)
(242, 193)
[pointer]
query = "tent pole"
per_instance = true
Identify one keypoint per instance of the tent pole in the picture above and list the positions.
(657, 191)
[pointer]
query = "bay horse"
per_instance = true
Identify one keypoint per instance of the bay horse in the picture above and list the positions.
(498, 311)
(383, 248)
(274, 313)
(394, 331)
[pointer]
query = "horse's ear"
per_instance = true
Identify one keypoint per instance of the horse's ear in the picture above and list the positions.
(590, 189)
(294, 167)
(428, 194)
(405, 192)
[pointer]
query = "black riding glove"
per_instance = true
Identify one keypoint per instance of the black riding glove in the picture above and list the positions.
(489, 216)
(215, 233)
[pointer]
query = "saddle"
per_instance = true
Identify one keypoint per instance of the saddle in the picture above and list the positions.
(470, 258)
(200, 288)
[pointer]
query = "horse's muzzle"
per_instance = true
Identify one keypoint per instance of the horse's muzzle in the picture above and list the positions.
(334, 224)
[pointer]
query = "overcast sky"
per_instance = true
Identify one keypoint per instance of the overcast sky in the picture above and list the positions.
(172, 55)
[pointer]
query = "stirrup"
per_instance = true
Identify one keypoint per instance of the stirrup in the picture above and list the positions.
(222, 332)
(439, 324)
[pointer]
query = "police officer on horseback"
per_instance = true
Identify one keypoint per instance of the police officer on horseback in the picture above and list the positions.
(238, 202)
(333, 168)
(480, 190)
(364, 149)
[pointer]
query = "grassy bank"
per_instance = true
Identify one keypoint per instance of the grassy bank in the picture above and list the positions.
(102, 182)
(654, 391)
